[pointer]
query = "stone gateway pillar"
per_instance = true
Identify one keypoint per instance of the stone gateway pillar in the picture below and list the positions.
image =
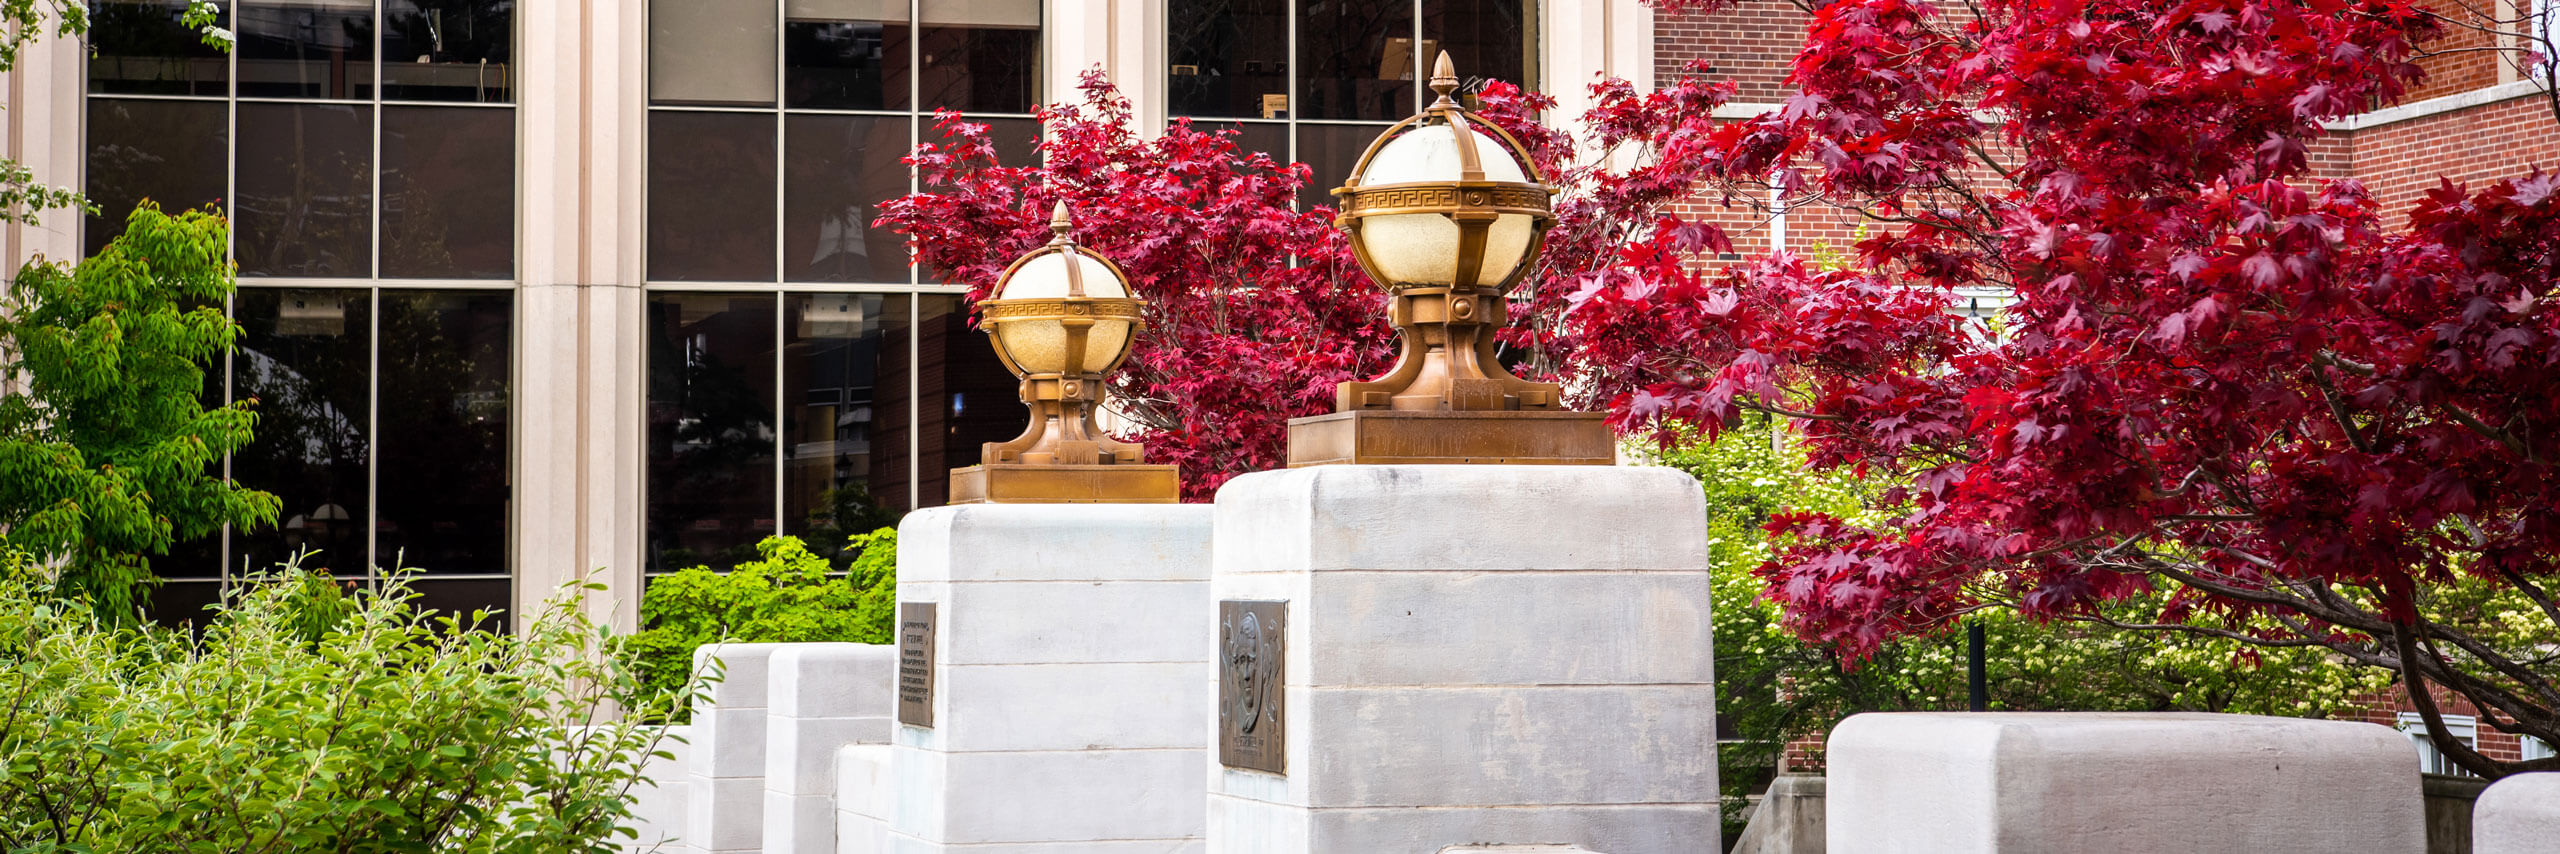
(1417, 657)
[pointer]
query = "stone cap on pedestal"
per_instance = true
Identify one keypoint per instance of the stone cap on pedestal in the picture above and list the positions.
(2110, 782)
(2517, 815)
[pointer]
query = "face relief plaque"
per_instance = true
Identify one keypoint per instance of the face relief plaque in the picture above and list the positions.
(1252, 702)
(915, 663)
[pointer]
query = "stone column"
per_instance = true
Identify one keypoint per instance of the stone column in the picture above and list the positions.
(2517, 815)
(724, 777)
(819, 698)
(1464, 655)
(2120, 783)
(1051, 701)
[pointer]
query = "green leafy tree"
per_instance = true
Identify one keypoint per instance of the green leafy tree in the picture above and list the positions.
(22, 22)
(304, 720)
(788, 595)
(106, 447)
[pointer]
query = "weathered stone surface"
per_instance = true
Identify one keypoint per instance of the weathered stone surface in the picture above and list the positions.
(2518, 815)
(2120, 783)
(1789, 819)
(820, 698)
(1454, 675)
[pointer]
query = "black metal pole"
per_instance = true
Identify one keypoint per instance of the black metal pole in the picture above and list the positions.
(1977, 695)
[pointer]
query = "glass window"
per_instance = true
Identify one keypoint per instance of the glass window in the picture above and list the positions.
(448, 193)
(171, 152)
(139, 47)
(841, 168)
(1230, 58)
(846, 54)
(711, 428)
(305, 204)
(711, 52)
(305, 49)
(447, 50)
(441, 465)
(711, 178)
(304, 356)
(979, 400)
(835, 428)
(980, 56)
(1361, 66)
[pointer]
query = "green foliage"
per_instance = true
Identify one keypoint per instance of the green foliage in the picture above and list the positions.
(107, 451)
(392, 730)
(22, 23)
(1773, 688)
(787, 595)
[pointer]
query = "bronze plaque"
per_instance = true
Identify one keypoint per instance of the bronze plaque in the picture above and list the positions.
(915, 663)
(1252, 701)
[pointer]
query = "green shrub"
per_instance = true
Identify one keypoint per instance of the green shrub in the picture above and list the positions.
(302, 720)
(788, 595)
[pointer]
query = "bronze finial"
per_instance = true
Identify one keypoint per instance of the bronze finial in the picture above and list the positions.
(1060, 223)
(1444, 78)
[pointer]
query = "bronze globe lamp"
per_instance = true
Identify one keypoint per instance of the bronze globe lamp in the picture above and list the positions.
(1446, 211)
(1062, 318)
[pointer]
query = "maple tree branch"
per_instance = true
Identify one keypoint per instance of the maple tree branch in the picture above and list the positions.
(2414, 680)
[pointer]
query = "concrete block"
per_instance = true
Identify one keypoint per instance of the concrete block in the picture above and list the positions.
(658, 809)
(728, 743)
(1454, 679)
(725, 815)
(1789, 819)
(2518, 815)
(799, 824)
(1053, 542)
(1073, 622)
(2120, 783)
(862, 780)
(743, 670)
(1435, 518)
(1073, 796)
(832, 680)
(1465, 746)
(1503, 628)
(906, 845)
(800, 753)
(1076, 706)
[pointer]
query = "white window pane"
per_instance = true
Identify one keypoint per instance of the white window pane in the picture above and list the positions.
(711, 51)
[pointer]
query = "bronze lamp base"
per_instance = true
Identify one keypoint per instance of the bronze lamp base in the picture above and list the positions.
(1480, 437)
(1019, 483)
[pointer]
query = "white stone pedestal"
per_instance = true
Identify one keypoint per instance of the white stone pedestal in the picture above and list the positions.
(1071, 668)
(820, 697)
(2518, 815)
(1515, 655)
(724, 780)
(2120, 783)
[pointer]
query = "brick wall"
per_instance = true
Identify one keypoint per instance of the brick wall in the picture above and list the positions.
(2459, 60)
(2400, 162)
(1752, 44)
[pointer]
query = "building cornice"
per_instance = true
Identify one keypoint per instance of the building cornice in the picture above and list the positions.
(2434, 106)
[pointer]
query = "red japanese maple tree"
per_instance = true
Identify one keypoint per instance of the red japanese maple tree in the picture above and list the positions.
(2220, 376)
(1255, 310)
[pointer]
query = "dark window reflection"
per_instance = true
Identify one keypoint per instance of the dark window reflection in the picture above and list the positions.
(711, 196)
(442, 460)
(304, 357)
(171, 152)
(969, 398)
(846, 65)
(1330, 151)
(447, 50)
(314, 49)
(980, 56)
(1356, 58)
(1486, 39)
(711, 428)
(140, 47)
(1017, 141)
(448, 192)
(832, 420)
(837, 171)
(1228, 58)
(306, 185)
(186, 602)
(462, 598)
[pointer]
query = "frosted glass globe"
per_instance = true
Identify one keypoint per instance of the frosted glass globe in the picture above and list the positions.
(1422, 249)
(1040, 346)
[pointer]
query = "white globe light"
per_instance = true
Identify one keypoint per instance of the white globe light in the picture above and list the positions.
(1039, 345)
(1422, 248)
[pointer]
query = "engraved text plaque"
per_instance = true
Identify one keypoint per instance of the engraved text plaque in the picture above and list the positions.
(1252, 707)
(915, 663)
